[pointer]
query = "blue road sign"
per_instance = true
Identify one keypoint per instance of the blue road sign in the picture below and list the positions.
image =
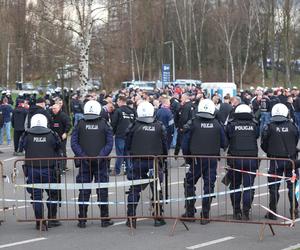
(166, 76)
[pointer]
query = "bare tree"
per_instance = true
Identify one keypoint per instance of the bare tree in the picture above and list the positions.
(249, 15)
(198, 31)
(226, 18)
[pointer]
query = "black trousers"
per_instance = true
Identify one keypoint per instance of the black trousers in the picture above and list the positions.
(17, 135)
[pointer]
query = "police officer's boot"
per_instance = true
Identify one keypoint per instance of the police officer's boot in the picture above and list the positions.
(190, 211)
(237, 213)
(104, 213)
(52, 211)
(274, 197)
(159, 221)
(131, 211)
(82, 214)
(205, 211)
(42, 227)
(131, 223)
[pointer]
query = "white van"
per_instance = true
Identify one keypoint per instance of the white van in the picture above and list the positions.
(222, 88)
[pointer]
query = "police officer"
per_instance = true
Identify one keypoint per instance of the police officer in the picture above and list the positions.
(41, 142)
(279, 139)
(242, 132)
(204, 135)
(92, 128)
(145, 129)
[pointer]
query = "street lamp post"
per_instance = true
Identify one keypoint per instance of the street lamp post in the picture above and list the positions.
(173, 57)
(8, 64)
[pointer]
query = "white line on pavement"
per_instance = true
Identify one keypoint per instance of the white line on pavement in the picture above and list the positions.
(210, 243)
(9, 159)
(292, 247)
(22, 242)
(124, 222)
(12, 208)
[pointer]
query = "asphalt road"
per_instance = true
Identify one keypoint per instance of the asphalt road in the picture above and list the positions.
(215, 235)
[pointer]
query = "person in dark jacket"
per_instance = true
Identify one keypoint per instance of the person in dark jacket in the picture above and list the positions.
(61, 124)
(120, 121)
(38, 108)
(186, 113)
(224, 111)
(17, 121)
(76, 109)
(6, 110)
(165, 116)
(92, 128)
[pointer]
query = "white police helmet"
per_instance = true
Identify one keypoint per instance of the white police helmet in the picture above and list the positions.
(279, 112)
(58, 89)
(145, 112)
(38, 120)
(243, 108)
(206, 109)
(92, 110)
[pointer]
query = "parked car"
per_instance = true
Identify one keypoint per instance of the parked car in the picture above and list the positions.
(43, 88)
(94, 84)
(27, 86)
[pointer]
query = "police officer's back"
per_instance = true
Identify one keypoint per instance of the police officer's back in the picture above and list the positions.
(92, 137)
(41, 142)
(145, 136)
(242, 132)
(280, 139)
(204, 136)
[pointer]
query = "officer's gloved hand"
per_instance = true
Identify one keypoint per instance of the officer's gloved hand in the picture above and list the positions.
(81, 162)
(150, 173)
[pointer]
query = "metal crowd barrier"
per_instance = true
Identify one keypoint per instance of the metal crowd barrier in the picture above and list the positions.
(221, 206)
(163, 190)
(66, 184)
(2, 194)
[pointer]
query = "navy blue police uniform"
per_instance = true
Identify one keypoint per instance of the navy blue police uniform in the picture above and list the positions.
(279, 140)
(98, 131)
(154, 134)
(242, 132)
(203, 136)
(40, 142)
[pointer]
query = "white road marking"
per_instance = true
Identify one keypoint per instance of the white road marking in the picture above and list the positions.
(124, 222)
(9, 159)
(292, 247)
(210, 243)
(12, 208)
(22, 242)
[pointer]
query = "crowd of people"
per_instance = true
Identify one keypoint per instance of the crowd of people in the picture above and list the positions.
(143, 123)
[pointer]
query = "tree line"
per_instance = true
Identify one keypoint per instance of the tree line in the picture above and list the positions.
(241, 41)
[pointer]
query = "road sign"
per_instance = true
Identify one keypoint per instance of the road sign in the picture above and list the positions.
(166, 76)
